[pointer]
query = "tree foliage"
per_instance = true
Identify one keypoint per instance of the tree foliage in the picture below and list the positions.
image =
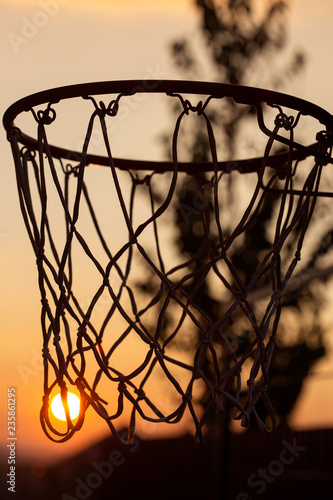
(239, 43)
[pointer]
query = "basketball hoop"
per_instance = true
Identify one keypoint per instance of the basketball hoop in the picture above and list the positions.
(79, 354)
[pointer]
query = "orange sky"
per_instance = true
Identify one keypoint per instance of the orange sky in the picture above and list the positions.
(107, 40)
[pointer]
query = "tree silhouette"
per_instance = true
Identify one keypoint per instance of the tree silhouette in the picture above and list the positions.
(238, 46)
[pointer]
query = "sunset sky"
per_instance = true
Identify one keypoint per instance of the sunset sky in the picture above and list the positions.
(82, 41)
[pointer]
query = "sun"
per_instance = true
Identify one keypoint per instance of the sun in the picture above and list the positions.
(57, 407)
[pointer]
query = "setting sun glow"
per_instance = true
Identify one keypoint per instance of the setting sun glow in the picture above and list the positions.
(57, 407)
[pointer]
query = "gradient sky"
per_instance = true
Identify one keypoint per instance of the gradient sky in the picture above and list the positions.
(83, 41)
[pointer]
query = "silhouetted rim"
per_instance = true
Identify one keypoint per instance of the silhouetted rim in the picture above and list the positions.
(240, 94)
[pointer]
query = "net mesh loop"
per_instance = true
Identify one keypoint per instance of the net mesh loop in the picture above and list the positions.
(70, 336)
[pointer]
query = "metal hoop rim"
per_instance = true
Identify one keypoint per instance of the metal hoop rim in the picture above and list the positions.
(239, 93)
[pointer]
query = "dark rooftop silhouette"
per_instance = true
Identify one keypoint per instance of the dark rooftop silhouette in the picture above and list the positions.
(283, 465)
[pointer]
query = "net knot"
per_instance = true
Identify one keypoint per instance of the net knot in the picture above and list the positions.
(46, 116)
(140, 182)
(46, 399)
(276, 295)
(325, 141)
(242, 296)
(188, 106)
(272, 340)
(206, 338)
(198, 374)
(106, 281)
(70, 170)
(40, 255)
(79, 384)
(284, 121)
(121, 386)
(140, 393)
(156, 346)
(187, 398)
(29, 154)
(133, 239)
(223, 254)
(81, 331)
(62, 385)
(112, 108)
(56, 340)
(172, 292)
(45, 351)
(218, 390)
